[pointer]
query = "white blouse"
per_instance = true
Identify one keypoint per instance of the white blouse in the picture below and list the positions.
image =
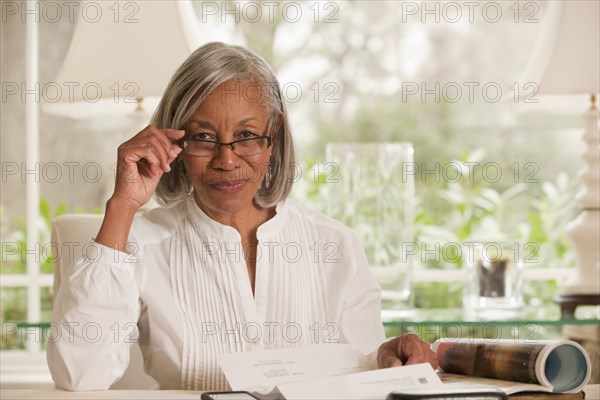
(183, 292)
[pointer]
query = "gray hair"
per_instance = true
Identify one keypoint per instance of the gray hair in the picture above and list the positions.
(207, 68)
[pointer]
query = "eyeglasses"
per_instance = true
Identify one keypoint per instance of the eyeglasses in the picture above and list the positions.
(242, 147)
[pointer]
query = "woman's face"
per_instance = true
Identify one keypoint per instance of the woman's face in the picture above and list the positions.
(224, 182)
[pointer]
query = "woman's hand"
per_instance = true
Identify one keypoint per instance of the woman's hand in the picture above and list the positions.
(405, 350)
(141, 162)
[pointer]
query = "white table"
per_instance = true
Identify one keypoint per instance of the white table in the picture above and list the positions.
(592, 393)
(47, 394)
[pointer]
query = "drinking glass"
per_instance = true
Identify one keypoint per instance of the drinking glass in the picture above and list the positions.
(494, 286)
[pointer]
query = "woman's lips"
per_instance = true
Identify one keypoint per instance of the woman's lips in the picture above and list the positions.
(229, 187)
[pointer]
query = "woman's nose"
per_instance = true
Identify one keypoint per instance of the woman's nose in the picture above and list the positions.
(224, 158)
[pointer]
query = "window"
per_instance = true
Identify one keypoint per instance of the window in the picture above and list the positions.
(26, 304)
(445, 76)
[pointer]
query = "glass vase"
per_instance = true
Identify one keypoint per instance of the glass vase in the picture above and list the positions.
(374, 195)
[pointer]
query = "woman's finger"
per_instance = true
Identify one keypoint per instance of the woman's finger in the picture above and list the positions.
(151, 141)
(405, 350)
(169, 139)
(416, 351)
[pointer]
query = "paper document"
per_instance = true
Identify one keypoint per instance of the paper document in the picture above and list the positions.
(325, 371)
(262, 371)
(375, 385)
(508, 387)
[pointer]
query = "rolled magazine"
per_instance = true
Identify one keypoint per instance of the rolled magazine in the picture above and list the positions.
(559, 366)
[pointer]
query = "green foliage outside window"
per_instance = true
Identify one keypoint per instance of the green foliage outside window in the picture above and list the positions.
(469, 209)
(13, 300)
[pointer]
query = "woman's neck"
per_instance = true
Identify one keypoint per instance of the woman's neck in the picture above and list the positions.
(246, 221)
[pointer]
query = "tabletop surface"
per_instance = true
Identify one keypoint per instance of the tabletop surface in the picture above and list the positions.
(592, 393)
(22, 394)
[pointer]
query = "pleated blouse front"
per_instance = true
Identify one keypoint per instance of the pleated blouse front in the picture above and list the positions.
(186, 287)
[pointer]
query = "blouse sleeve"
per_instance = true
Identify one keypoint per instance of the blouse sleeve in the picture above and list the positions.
(94, 320)
(360, 323)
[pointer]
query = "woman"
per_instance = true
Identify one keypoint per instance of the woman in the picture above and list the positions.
(230, 265)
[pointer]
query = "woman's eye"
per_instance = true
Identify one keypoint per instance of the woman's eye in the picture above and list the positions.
(246, 135)
(202, 136)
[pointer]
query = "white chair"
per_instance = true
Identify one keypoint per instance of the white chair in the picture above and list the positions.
(70, 233)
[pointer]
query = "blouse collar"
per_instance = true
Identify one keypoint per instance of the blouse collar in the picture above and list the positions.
(225, 232)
